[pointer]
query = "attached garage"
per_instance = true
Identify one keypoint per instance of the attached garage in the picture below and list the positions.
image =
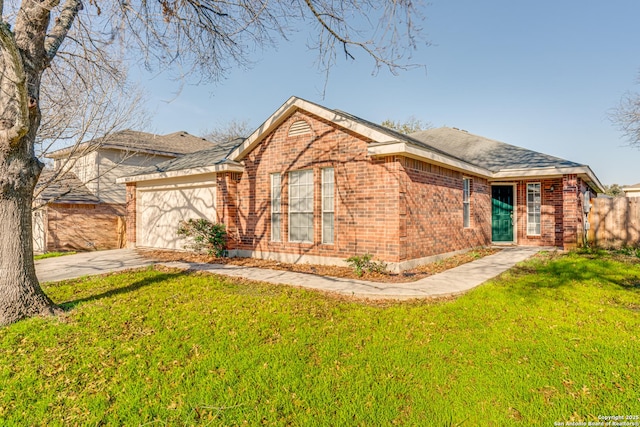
(159, 197)
(162, 206)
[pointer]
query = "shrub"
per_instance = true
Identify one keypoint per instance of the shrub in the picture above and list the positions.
(205, 235)
(364, 263)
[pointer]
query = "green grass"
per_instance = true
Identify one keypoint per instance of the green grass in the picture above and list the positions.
(52, 255)
(555, 339)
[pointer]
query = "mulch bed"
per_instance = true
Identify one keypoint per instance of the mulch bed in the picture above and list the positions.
(325, 270)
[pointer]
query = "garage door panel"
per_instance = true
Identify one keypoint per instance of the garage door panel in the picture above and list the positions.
(160, 212)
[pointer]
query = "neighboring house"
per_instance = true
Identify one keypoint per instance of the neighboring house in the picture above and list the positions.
(318, 185)
(632, 190)
(84, 208)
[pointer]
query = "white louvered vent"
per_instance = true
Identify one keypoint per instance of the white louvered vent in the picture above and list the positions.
(299, 128)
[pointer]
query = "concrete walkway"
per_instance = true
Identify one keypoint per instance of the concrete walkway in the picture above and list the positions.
(451, 282)
(88, 263)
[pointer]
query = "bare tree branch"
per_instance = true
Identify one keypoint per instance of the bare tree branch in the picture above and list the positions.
(14, 124)
(626, 117)
(60, 30)
(224, 132)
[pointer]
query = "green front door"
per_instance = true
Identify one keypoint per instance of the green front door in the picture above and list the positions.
(502, 213)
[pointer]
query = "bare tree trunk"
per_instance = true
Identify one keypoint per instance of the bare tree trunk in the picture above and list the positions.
(20, 293)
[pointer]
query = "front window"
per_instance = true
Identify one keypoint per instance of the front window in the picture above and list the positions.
(533, 209)
(466, 201)
(327, 205)
(301, 206)
(275, 207)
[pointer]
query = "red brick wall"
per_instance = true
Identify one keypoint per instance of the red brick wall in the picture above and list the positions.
(227, 211)
(551, 213)
(432, 221)
(395, 208)
(131, 206)
(366, 194)
(83, 227)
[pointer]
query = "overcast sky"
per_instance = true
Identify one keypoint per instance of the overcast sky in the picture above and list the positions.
(541, 75)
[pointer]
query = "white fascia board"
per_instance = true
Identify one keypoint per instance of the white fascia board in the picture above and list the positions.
(413, 151)
(584, 172)
(289, 108)
(225, 167)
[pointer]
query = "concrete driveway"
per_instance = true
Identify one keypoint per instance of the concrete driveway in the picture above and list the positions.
(88, 263)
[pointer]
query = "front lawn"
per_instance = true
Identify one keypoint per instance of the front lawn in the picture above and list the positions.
(556, 339)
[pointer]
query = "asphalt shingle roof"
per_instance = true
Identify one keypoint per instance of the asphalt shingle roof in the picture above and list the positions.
(65, 189)
(487, 153)
(203, 158)
(173, 144)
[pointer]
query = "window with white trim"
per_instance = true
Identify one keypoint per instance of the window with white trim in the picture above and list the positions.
(466, 202)
(301, 206)
(533, 209)
(276, 201)
(327, 205)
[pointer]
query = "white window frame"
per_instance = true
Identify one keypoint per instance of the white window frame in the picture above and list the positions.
(301, 206)
(328, 205)
(466, 202)
(276, 207)
(534, 228)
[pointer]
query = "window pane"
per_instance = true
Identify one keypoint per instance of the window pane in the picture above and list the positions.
(327, 228)
(275, 227)
(534, 201)
(466, 202)
(466, 215)
(327, 205)
(276, 193)
(301, 206)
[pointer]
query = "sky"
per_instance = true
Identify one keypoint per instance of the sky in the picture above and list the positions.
(543, 75)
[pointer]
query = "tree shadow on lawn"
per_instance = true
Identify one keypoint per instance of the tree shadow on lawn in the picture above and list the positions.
(568, 271)
(70, 305)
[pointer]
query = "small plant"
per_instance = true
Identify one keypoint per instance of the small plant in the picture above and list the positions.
(364, 263)
(205, 235)
(629, 251)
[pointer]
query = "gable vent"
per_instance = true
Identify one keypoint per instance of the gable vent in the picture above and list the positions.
(299, 127)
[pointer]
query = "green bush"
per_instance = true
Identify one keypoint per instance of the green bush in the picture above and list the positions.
(205, 235)
(364, 263)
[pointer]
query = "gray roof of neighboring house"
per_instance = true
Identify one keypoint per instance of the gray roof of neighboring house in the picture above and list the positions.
(398, 135)
(200, 159)
(173, 144)
(487, 153)
(65, 189)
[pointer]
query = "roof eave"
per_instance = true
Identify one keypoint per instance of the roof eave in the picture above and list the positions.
(223, 167)
(419, 153)
(75, 152)
(288, 108)
(583, 171)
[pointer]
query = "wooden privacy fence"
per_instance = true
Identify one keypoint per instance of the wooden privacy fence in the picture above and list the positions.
(614, 222)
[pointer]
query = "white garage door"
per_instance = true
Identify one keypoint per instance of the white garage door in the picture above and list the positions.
(159, 212)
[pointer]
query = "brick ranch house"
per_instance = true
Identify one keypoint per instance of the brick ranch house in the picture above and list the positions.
(317, 185)
(79, 205)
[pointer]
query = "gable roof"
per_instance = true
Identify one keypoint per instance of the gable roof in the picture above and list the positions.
(488, 153)
(65, 189)
(173, 144)
(378, 134)
(448, 147)
(205, 161)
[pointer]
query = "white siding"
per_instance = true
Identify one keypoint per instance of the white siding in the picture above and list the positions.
(113, 164)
